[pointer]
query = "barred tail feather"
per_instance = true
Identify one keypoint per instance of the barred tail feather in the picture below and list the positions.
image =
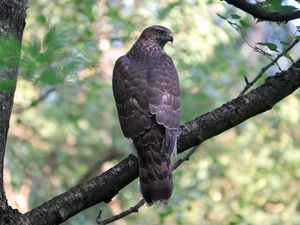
(156, 182)
(155, 169)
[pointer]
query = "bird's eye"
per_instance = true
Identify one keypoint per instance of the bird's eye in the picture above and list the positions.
(159, 32)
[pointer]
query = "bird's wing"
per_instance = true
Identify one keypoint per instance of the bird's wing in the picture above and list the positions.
(163, 93)
(130, 89)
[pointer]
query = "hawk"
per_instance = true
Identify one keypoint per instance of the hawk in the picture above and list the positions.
(146, 91)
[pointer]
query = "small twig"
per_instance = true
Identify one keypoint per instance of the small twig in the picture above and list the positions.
(264, 69)
(259, 50)
(264, 53)
(37, 101)
(42, 97)
(255, 48)
(138, 205)
(184, 158)
(132, 209)
(246, 80)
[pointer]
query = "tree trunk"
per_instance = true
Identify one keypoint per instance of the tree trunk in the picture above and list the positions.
(12, 23)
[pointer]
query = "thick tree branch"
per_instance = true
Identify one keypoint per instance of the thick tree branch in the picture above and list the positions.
(103, 187)
(99, 189)
(262, 14)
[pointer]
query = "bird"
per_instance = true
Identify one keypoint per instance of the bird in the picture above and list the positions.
(147, 95)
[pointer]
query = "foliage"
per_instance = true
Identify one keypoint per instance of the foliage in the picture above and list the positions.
(65, 120)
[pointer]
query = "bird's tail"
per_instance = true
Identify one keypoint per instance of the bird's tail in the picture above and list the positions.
(155, 149)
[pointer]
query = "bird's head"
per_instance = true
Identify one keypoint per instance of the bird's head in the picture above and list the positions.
(158, 34)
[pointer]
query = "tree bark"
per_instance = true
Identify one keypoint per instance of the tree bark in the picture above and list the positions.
(105, 186)
(262, 14)
(12, 23)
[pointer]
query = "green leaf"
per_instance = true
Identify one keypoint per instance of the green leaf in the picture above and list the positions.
(34, 47)
(235, 16)
(275, 5)
(50, 76)
(269, 45)
(244, 24)
(41, 19)
(288, 8)
(51, 36)
(53, 39)
(284, 43)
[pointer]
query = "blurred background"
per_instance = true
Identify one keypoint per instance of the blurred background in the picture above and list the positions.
(64, 127)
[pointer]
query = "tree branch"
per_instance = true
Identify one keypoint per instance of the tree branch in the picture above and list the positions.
(105, 186)
(264, 69)
(262, 14)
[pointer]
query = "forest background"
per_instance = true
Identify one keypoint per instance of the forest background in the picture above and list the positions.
(64, 128)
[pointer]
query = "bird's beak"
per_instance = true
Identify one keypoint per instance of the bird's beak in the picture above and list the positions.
(170, 38)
